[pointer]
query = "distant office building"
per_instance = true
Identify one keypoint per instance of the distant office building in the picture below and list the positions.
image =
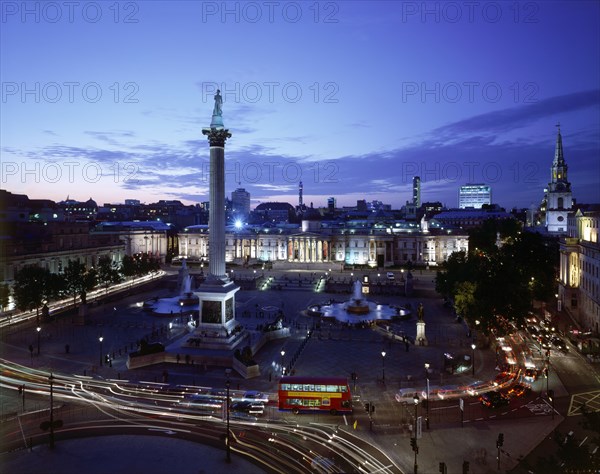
(417, 191)
(300, 192)
(474, 196)
(240, 199)
(274, 212)
(361, 205)
(132, 202)
(331, 205)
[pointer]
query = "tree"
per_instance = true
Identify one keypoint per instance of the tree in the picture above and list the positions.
(78, 280)
(108, 274)
(4, 296)
(498, 285)
(33, 287)
(464, 301)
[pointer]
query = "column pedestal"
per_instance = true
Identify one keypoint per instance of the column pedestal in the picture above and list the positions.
(421, 339)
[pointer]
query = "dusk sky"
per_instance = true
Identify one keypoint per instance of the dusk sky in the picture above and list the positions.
(108, 99)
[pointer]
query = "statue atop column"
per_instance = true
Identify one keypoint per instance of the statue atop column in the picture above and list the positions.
(217, 115)
(420, 311)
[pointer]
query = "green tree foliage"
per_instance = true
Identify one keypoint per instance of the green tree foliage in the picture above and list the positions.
(139, 264)
(108, 273)
(4, 296)
(33, 286)
(494, 285)
(78, 280)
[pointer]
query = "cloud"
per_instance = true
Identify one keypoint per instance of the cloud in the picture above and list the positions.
(502, 121)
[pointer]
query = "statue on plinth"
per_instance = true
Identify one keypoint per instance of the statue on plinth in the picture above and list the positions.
(421, 339)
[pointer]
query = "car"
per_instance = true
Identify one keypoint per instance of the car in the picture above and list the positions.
(247, 407)
(559, 343)
(530, 375)
(493, 399)
(255, 396)
(518, 390)
(477, 387)
(390, 276)
(450, 391)
(406, 395)
(503, 378)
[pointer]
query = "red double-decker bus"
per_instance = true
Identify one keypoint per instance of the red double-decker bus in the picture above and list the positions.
(309, 394)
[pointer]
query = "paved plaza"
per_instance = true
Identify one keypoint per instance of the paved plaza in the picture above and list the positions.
(334, 349)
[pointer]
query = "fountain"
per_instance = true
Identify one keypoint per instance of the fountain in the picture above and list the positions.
(358, 309)
(357, 305)
(186, 296)
(185, 301)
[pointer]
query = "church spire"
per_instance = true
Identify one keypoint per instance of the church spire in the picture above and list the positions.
(559, 159)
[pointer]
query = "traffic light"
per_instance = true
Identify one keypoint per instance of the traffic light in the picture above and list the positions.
(413, 443)
(372, 408)
(20, 389)
(500, 441)
(368, 407)
(550, 394)
(546, 372)
(465, 467)
(443, 467)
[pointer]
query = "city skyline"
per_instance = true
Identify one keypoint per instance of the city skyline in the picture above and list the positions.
(351, 98)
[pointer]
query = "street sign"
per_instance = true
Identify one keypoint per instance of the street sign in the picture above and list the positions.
(461, 404)
(419, 427)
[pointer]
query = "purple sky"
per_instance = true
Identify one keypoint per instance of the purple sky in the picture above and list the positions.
(107, 100)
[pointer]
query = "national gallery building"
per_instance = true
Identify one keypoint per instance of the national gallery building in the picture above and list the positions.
(359, 242)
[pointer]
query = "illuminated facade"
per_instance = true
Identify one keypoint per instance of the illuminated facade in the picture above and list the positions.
(351, 243)
(579, 285)
(474, 195)
(558, 199)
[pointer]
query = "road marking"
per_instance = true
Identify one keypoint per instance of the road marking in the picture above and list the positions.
(345, 420)
(584, 440)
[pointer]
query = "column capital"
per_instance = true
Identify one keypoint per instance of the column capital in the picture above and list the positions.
(216, 136)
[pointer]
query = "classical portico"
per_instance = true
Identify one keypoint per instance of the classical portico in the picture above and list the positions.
(309, 248)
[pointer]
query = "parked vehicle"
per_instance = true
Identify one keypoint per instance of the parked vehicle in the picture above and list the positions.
(494, 399)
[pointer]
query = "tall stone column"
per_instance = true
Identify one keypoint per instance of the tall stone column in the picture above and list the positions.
(217, 135)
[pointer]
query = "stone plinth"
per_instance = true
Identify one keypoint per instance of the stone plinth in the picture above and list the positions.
(421, 339)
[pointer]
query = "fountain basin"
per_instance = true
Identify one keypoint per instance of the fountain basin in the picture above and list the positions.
(374, 312)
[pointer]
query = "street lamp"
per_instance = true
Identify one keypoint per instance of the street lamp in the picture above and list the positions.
(473, 346)
(282, 369)
(415, 446)
(383, 366)
(100, 339)
(427, 379)
(51, 380)
(227, 438)
(38, 329)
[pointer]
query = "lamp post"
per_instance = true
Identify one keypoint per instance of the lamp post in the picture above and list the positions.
(51, 380)
(227, 438)
(383, 366)
(100, 339)
(428, 400)
(473, 346)
(282, 368)
(415, 446)
(547, 369)
(38, 329)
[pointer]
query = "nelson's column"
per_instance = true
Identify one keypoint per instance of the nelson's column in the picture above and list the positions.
(217, 294)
